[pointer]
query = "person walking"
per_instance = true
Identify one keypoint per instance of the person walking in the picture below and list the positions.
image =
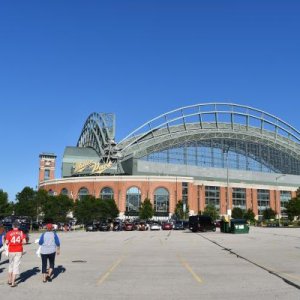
(15, 239)
(2, 239)
(50, 246)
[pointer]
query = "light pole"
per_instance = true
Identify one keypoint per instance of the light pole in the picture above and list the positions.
(228, 212)
(279, 208)
(184, 209)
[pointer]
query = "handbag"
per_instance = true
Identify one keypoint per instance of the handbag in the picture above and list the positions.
(5, 249)
(38, 251)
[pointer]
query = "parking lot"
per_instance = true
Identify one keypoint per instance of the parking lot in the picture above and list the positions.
(264, 264)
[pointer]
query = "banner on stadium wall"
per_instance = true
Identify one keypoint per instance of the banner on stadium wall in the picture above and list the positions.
(90, 167)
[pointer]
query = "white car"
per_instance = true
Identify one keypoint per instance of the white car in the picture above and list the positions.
(155, 226)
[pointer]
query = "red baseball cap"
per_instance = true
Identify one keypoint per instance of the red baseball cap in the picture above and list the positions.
(49, 226)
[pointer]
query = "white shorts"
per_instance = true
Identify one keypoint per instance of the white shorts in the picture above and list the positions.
(14, 262)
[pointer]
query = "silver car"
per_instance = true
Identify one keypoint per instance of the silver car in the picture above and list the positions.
(155, 226)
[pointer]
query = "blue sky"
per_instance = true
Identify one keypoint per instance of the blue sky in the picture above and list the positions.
(62, 60)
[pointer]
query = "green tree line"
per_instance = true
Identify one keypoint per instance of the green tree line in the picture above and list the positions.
(39, 205)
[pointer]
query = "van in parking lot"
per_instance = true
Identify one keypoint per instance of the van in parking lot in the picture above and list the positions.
(201, 223)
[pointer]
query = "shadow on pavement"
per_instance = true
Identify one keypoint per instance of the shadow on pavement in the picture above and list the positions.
(27, 274)
(4, 262)
(1, 270)
(58, 270)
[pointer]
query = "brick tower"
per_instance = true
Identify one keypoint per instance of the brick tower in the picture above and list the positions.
(47, 167)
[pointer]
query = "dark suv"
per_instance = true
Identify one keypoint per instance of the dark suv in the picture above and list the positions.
(201, 223)
(117, 225)
(104, 226)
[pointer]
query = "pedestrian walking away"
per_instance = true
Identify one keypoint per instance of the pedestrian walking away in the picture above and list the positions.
(15, 239)
(50, 246)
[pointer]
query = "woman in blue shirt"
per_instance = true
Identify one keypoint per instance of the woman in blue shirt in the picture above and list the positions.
(50, 246)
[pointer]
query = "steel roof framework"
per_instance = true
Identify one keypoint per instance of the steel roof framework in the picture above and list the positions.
(247, 134)
(98, 132)
(250, 132)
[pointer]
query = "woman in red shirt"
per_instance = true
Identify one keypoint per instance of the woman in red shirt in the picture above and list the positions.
(15, 239)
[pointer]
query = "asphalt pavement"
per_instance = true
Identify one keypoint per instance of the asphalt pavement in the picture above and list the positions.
(264, 264)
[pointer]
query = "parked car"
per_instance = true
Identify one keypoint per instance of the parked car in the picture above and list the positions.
(142, 226)
(36, 225)
(178, 225)
(92, 227)
(117, 225)
(218, 223)
(167, 226)
(128, 226)
(155, 226)
(185, 224)
(201, 223)
(7, 225)
(25, 227)
(104, 226)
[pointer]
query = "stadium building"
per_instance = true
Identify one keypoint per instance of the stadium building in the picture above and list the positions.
(223, 154)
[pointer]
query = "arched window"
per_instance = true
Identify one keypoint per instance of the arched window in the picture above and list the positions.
(133, 201)
(83, 192)
(161, 201)
(65, 192)
(107, 193)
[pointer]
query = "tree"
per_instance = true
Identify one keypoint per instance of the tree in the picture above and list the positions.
(56, 208)
(179, 210)
(210, 210)
(40, 200)
(237, 213)
(6, 208)
(112, 208)
(108, 209)
(298, 193)
(268, 214)
(26, 205)
(87, 209)
(293, 207)
(146, 210)
(249, 215)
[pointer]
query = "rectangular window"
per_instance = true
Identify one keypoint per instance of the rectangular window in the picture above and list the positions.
(263, 200)
(285, 197)
(47, 174)
(185, 192)
(239, 198)
(212, 196)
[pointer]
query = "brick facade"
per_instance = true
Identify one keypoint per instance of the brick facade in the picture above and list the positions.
(149, 184)
(47, 167)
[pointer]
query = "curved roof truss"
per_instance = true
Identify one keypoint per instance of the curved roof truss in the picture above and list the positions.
(98, 131)
(225, 122)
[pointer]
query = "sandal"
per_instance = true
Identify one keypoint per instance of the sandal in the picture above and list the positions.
(13, 285)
